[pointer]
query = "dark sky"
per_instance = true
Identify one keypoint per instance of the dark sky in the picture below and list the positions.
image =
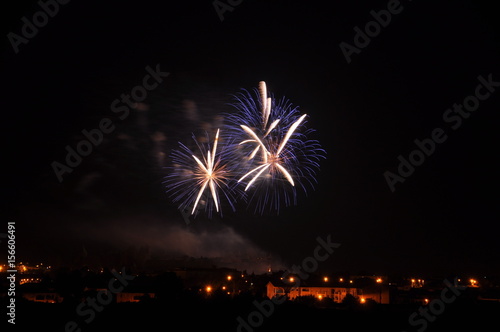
(442, 219)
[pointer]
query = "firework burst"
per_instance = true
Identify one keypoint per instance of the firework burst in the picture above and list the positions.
(264, 157)
(202, 179)
(275, 154)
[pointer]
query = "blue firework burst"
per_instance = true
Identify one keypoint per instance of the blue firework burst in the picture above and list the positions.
(271, 143)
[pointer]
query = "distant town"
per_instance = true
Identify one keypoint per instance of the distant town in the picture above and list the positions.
(85, 298)
(51, 284)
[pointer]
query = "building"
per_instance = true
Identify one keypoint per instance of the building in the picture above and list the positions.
(378, 294)
(47, 297)
(133, 297)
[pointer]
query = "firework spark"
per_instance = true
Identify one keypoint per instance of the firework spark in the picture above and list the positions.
(194, 179)
(271, 160)
(208, 175)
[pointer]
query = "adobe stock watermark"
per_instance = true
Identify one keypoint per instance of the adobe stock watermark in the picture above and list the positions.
(372, 29)
(95, 136)
(30, 28)
(454, 117)
(429, 313)
(88, 309)
(309, 265)
(11, 270)
(225, 6)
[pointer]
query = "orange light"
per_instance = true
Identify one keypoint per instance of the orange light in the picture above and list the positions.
(379, 280)
(325, 279)
(363, 300)
(350, 281)
(208, 289)
(320, 297)
(229, 277)
(341, 279)
(1, 268)
(223, 287)
(426, 301)
(292, 279)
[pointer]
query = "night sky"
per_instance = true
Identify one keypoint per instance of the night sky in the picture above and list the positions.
(442, 219)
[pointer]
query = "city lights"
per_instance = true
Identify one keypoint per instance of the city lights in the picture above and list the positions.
(417, 283)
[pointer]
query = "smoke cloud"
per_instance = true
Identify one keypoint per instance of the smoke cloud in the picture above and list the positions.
(148, 241)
